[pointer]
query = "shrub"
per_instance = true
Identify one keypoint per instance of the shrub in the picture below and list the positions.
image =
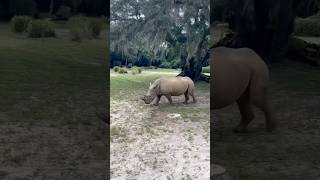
(134, 72)
(139, 70)
(122, 71)
(307, 27)
(95, 26)
(165, 64)
(206, 69)
(41, 28)
(78, 28)
(20, 23)
(76, 34)
(116, 68)
(85, 27)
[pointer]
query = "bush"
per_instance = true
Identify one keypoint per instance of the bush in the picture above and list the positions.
(78, 28)
(85, 27)
(136, 70)
(19, 24)
(139, 70)
(122, 71)
(165, 64)
(206, 69)
(41, 28)
(307, 27)
(95, 26)
(116, 68)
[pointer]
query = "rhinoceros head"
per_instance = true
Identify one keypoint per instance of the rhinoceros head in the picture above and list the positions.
(147, 99)
(152, 93)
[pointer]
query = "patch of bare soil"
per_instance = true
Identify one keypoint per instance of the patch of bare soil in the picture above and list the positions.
(291, 152)
(164, 142)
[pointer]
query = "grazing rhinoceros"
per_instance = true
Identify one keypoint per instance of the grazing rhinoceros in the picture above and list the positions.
(168, 87)
(240, 75)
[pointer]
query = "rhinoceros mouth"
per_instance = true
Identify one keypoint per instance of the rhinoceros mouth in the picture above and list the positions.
(147, 99)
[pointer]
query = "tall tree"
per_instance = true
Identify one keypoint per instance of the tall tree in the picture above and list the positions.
(150, 24)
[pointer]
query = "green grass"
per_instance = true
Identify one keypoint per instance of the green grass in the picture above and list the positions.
(51, 90)
(140, 82)
(129, 87)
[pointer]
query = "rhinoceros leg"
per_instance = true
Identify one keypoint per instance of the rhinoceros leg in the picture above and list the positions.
(186, 95)
(169, 98)
(247, 114)
(157, 100)
(193, 97)
(261, 101)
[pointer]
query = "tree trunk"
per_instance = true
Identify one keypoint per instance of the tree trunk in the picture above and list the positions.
(51, 8)
(192, 67)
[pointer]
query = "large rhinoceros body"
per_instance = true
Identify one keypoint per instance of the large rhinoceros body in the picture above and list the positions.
(240, 75)
(168, 87)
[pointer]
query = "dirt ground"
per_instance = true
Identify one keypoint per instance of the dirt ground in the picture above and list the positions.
(164, 142)
(50, 92)
(292, 152)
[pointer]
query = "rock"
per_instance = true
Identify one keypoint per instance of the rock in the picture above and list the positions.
(219, 173)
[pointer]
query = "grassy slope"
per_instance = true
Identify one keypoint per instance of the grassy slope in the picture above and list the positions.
(50, 89)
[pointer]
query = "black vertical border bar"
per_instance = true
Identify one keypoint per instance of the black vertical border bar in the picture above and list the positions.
(212, 130)
(108, 93)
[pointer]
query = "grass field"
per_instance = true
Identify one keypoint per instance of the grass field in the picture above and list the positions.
(50, 92)
(147, 142)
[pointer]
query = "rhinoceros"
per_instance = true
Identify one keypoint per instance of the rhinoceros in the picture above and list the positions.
(168, 87)
(240, 75)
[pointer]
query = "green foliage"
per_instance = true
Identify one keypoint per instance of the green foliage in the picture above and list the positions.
(85, 27)
(307, 27)
(133, 72)
(116, 68)
(139, 70)
(206, 69)
(78, 28)
(41, 28)
(122, 71)
(173, 64)
(19, 24)
(95, 26)
(163, 35)
(136, 70)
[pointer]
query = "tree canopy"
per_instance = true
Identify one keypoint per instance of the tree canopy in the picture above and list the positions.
(162, 29)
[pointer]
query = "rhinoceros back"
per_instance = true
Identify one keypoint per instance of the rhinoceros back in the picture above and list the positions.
(175, 86)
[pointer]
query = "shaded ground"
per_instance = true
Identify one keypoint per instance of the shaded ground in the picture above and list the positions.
(292, 152)
(50, 92)
(165, 142)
